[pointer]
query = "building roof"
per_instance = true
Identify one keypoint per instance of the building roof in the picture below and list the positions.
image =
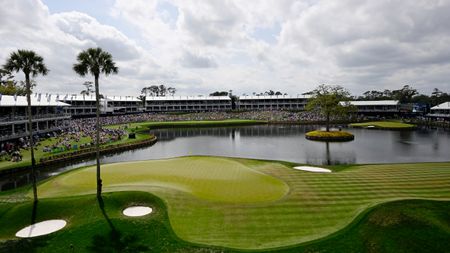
(443, 106)
(179, 98)
(122, 98)
(36, 100)
(75, 97)
(373, 103)
(91, 98)
(275, 97)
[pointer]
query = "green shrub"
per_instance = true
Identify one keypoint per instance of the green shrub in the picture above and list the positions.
(329, 136)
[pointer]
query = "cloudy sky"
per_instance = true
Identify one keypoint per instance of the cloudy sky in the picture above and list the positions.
(247, 46)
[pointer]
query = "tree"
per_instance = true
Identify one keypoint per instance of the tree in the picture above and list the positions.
(144, 91)
(326, 100)
(32, 64)
(162, 90)
(6, 77)
(405, 94)
(171, 91)
(11, 88)
(154, 90)
(439, 97)
(219, 94)
(95, 61)
(88, 88)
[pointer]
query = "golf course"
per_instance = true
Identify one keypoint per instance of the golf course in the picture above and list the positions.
(218, 204)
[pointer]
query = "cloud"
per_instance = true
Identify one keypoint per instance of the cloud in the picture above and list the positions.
(190, 60)
(246, 46)
(86, 28)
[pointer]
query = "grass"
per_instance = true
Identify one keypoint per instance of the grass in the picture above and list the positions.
(391, 125)
(206, 178)
(241, 203)
(401, 226)
(143, 126)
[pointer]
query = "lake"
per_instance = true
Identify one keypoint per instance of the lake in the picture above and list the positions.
(280, 142)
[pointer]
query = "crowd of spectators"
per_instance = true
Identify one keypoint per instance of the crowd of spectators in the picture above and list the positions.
(84, 129)
(276, 116)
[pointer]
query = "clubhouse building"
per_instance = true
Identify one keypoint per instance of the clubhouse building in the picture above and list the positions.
(223, 103)
(84, 106)
(47, 111)
(441, 111)
(188, 103)
(281, 102)
(376, 108)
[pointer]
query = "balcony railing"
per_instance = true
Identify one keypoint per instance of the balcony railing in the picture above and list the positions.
(4, 120)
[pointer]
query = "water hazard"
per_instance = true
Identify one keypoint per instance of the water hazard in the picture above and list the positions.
(280, 142)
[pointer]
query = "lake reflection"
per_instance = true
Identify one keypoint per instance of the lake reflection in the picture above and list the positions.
(287, 142)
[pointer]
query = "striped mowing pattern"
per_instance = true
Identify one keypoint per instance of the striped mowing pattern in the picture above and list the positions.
(316, 204)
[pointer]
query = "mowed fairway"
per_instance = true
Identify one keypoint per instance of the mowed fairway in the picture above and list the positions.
(251, 204)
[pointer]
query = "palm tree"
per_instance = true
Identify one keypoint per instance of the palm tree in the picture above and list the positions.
(32, 64)
(95, 61)
(88, 89)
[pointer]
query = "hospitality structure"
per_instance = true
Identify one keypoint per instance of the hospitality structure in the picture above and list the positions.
(47, 112)
(441, 111)
(188, 103)
(84, 106)
(376, 108)
(281, 102)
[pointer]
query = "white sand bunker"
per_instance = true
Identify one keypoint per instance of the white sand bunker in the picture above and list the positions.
(312, 169)
(41, 228)
(136, 211)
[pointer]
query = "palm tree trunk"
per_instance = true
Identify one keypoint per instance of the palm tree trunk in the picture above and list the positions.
(97, 138)
(30, 136)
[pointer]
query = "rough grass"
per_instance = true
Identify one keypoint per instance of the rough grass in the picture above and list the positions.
(384, 125)
(315, 206)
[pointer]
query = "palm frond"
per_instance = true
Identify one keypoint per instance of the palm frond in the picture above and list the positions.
(95, 61)
(27, 61)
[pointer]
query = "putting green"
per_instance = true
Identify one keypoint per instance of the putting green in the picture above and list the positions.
(212, 179)
(384, 125)
(250, 204)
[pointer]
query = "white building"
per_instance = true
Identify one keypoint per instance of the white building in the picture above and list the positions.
(281, 102)
(121, 105)
(82, 105)
(187, 103)
(440, 111)
(48, 115)
(374, 107)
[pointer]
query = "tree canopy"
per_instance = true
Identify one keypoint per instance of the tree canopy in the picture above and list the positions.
(158, 90)
(326, 100)
(219, 93)
(95, 61)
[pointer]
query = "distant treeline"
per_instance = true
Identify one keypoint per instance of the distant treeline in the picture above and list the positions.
(407, 94)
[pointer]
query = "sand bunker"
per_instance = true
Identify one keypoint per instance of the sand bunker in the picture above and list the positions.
(136, 211)
(312, 169)
(41, 228)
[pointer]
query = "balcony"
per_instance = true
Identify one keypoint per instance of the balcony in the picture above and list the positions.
(9, 119)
